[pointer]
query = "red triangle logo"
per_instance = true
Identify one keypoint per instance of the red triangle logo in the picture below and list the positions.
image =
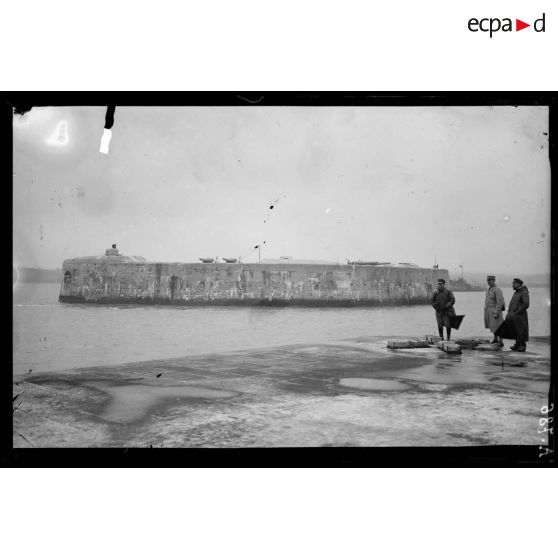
(519, 25)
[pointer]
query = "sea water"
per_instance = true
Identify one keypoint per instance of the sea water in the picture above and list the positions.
(52, 336)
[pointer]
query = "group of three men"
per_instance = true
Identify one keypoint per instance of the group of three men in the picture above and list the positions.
(514, 326)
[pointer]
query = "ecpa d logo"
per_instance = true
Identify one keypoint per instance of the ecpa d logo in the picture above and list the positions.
(492, 25)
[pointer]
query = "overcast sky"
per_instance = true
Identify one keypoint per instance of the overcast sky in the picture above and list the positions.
(469, 185)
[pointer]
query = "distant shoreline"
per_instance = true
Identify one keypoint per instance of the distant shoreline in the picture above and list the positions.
(474, 283)
(37, 275)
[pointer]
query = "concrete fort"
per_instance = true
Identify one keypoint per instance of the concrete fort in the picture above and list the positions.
(117, 279)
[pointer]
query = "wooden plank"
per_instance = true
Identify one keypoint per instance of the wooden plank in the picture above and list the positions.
(449, 347)
(407, 344)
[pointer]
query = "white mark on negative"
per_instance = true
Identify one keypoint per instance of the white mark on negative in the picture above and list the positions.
(60, 135)
(105, 140)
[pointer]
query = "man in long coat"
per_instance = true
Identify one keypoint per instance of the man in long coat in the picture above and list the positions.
(516, 324)
(493, 306)
(442, 301)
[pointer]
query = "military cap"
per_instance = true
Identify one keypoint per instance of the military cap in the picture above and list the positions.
(442, 281)
(516, 280)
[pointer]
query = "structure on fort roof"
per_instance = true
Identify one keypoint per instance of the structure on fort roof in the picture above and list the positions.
(117, 279)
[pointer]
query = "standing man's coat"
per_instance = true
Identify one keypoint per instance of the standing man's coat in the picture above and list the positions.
(493, 307)
(516, 324)
(443, 301)
(517, 313)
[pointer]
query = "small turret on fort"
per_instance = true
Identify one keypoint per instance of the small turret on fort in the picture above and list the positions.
(114, 278)
(111, 251)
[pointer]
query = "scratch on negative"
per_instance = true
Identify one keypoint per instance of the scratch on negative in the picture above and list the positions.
(249, 101)
(26, 440)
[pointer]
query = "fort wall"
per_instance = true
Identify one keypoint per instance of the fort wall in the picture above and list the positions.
(106, 280)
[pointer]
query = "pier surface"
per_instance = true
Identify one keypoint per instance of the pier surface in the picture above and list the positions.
(349, 393)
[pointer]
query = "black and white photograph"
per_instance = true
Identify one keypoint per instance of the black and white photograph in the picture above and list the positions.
(303, 271)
